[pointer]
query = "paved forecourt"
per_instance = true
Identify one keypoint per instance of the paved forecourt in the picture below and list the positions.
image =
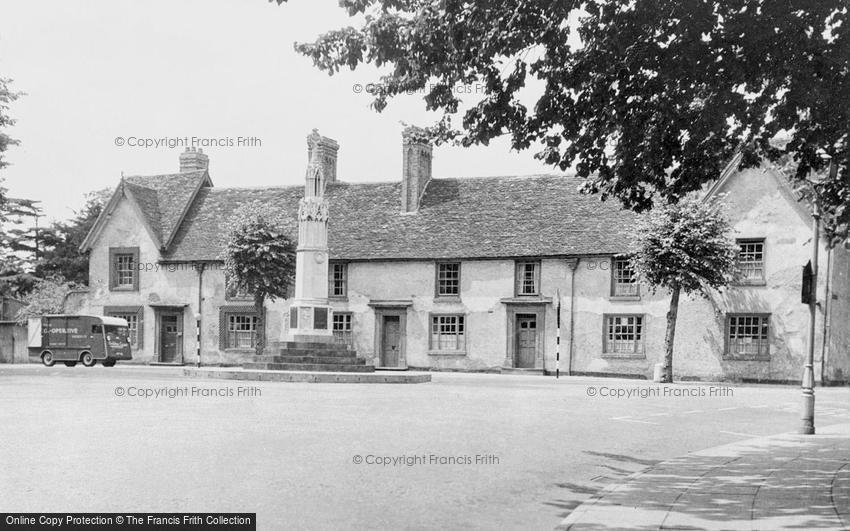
(780, 482)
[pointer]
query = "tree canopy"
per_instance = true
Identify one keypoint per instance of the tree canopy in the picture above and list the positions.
(683, 247)
(652, 102)
(260, 259)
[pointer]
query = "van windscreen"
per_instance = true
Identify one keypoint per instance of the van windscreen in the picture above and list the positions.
(117, 334)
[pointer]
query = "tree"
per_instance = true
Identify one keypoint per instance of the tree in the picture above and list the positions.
(48, 296)
(653, 101)
(12, 276)
(683, 247)
(7, 96)
(260, 259)
(60, 242)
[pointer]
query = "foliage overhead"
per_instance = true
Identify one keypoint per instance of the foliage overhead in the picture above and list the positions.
(651, 105)
(686, 245)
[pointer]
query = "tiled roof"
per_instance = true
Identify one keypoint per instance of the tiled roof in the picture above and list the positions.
(485, 217)
(148, 203)
(163, 198)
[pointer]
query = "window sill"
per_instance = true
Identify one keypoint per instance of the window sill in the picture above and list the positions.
(623, 356)
(746, 358)
(123, 288)
(338, 298)
(447, 298)
(460, 353)
(625, 297)
(240, 349)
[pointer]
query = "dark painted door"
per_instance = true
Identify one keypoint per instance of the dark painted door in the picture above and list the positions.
(170, 337)
(526, 338)
(391, 341)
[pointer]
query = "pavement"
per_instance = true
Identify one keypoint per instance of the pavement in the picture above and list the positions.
(786, 481)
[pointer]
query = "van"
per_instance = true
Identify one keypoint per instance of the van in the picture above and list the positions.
(73, 338)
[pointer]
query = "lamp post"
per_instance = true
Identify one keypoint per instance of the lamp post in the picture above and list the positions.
(808, 383)
(808, 418)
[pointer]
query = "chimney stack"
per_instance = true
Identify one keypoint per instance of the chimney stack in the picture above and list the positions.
(416, 166)
(193, 159)
(328, 149)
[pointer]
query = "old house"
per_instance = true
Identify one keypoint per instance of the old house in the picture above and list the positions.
(467, 274)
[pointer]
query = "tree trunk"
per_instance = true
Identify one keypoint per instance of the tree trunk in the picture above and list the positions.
(259, 303)
(671, 334)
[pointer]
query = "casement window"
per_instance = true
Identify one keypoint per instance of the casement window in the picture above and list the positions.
(623, 334)
(134, 315)
(528, 278)
(623, 282)
(124, 268)
(747, 336)
(751, 261)
(448, 333)
(342, 328)
(232, 292)
(338, 279)
(448, 279)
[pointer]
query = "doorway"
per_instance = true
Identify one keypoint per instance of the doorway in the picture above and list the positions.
(390, 337)
(526, 340)
(390, 341)
(170, 337)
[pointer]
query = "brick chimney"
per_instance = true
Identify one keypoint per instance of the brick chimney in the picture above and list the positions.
(193, 159)
(416, 166)
(328, 149)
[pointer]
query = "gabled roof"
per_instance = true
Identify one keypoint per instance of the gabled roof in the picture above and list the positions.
(160, 200)
(801, 207)
(488, 217)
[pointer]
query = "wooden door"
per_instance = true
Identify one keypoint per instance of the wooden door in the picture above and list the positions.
(526, 338)
(171, 335)
(390, 341)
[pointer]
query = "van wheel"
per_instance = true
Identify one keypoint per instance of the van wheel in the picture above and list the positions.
(109, 363)
(47, 359)
(88, 360)
(70, 363)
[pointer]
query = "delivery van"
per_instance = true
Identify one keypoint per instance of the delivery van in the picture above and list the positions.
(73, 338)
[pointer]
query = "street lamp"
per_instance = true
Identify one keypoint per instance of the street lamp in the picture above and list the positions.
(808, 383)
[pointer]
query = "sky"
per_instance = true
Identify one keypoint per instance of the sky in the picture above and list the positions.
(97, 70)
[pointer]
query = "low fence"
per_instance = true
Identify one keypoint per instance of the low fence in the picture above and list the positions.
(13, 342)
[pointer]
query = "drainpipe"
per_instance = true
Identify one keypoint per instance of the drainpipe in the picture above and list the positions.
(572, 263)
(827, 308)
(199, 314)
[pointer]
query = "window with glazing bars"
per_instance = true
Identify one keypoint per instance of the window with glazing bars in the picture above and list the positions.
(747, 336)
(527, 278)
(625, 281)
(124, 270)
(338, 280)
(342, 328)
(447, 332)
(448, 279)
(751, 261)
(241, 331)
(624, 334)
